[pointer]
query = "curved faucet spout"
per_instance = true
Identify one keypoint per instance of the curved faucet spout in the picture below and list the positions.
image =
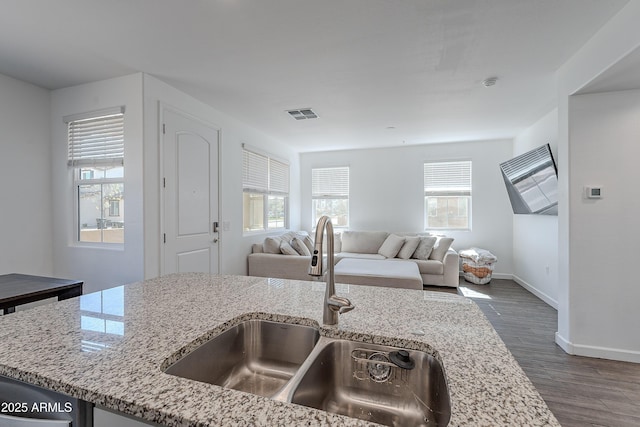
(333, 304)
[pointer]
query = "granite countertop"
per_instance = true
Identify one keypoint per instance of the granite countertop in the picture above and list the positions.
(108, 347)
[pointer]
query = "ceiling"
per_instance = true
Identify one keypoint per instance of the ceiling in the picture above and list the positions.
(377, 72)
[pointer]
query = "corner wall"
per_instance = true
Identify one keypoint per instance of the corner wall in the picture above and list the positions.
(387, 191)
(580, 295)
(25, 184)
(535, 237)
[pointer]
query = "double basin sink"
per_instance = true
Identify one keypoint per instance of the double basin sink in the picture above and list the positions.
(293, 363)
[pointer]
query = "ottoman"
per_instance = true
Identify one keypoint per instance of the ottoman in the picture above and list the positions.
(389, 273)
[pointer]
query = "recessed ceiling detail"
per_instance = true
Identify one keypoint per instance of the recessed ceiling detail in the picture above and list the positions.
(303, 113)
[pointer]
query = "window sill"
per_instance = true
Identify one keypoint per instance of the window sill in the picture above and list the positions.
(117, 247)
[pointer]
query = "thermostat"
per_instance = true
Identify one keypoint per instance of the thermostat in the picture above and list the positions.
(593, 192)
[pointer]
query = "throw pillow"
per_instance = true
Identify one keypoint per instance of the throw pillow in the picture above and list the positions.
(410, 245)
(391, 246)
(300, 247)
(271, 245)
(308, 242)
(287, 249)
(440, 249)
(424, 248)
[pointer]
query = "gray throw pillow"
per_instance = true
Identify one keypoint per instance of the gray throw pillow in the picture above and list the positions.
(410, 245)
(287, 249)
(440, 249)
(391, 246)
(300, 247)
(271, 245)
(424, 247)
(308, 242)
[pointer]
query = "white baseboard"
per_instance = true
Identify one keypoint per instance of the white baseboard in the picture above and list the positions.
(502, 276)
(544, 297)
(598, 352)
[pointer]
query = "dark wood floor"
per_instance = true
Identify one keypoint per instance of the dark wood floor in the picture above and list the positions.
(580, 391)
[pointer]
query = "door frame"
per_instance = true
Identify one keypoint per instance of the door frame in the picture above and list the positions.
(162, 107)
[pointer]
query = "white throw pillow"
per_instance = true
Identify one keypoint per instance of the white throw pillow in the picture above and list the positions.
(391, 246)
(287, 249)
(300, 247)
(424, 247)
(410, 245)
(440, 249)
(271, 245)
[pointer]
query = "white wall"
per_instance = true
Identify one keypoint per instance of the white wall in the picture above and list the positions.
(234, 246)
(99, 267)
(535, 237)
(25, 218)
(579, 295)
(604, 131)
(387, 191)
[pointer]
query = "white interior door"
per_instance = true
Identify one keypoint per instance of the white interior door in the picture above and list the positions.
(190, 195)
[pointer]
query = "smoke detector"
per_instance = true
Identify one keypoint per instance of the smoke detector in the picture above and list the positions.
(302, 114)
(489, 81)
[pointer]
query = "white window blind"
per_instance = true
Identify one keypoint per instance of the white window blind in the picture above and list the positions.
(447, 178)
(330, 183)
(278, 177)
(96, 139)
(255, 171)
(263, 174)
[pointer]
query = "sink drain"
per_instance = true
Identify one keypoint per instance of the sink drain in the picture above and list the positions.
(379, 372)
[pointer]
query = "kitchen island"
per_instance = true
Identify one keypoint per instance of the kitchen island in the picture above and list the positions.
(108, 348)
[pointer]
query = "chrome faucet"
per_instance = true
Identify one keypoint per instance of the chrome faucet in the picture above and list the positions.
(333, 304)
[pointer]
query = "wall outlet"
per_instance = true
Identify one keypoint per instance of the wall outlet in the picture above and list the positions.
(547, 269)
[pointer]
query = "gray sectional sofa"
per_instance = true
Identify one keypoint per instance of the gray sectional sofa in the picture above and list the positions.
(437, 262)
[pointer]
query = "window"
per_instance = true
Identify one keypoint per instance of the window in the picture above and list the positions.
(330, 195)
(447, 195)
(96, 157)
(265, 192)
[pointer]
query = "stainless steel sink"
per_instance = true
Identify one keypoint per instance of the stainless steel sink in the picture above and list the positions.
(360, 381)
(256, 356)
(292, 363)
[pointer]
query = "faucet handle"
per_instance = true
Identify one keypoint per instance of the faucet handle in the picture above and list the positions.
(346, 308)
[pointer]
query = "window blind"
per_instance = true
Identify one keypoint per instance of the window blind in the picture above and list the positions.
(262, 174)
(255, 171)
(447, 178)
(97, 140)
(330, 183)
(278, 177)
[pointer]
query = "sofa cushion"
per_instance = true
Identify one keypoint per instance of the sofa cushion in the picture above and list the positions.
(363, 242)
(343, 255)
(409, 247)
(424, 247)
(300, 246)
(440, 249)
(391, 246)
(271, 245)
(430, 266)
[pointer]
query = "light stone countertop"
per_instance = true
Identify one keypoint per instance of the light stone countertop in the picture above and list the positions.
(108, 348)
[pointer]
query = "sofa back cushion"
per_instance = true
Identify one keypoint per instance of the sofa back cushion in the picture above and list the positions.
(363, 242)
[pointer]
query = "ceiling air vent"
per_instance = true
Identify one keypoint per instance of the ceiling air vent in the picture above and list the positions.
(303, 113)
